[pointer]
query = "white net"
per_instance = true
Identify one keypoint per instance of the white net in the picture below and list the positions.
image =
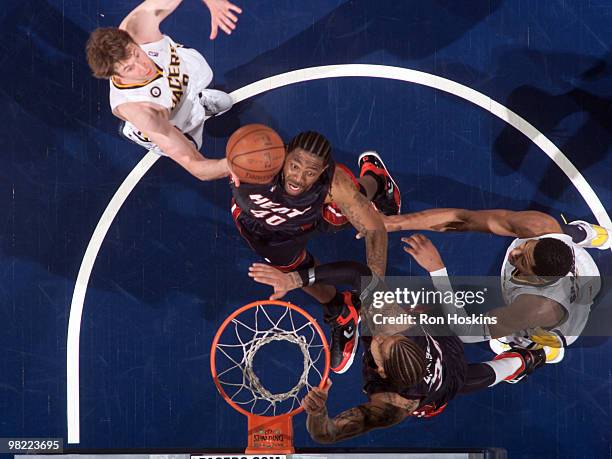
(247, 335)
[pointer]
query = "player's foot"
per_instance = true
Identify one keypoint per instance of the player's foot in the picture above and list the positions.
(345, 335)
(555, 351)
(598, 237)
(389, 200)
(215, 102)
(531, 360)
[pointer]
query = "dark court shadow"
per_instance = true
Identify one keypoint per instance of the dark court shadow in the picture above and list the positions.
(55, 85)
(577, 117)
(357, 28)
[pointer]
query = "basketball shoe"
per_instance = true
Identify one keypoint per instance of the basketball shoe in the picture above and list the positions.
(215, 102)
(531, 361)
(388, 200)
(345, 334)
(598, 237)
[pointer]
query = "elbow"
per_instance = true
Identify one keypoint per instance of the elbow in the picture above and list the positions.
(378, 233)
(321, 431)
(460, 220)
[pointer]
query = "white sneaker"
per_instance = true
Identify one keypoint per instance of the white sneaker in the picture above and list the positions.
(554, 354)
(215, 102)
(598, 237)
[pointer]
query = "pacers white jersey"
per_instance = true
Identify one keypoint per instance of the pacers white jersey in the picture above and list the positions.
(182, 73)
(575, 293)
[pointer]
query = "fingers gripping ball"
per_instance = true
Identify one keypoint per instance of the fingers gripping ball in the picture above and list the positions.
(256, 153)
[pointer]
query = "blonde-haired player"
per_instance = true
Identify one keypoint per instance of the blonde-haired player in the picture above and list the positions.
(158, 87)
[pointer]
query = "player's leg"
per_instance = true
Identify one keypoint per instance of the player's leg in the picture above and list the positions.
(588, 235)
(510, 366)
(340, 312)
(378, 183)
(584, 234)
(375, 183)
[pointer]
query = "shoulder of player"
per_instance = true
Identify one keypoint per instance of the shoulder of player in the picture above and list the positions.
(342, 184)
(404, 406)
(538, 310)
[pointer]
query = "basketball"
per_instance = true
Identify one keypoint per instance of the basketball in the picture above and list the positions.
(255, 153)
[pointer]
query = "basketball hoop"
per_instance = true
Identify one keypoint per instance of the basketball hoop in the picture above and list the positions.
(239, 338)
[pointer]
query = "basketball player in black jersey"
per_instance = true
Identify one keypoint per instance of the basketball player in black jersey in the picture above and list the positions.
(313, 194)
(404, 376)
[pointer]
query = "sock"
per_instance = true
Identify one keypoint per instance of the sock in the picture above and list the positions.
(504, 368)
(576, 232)
(333, 308)
(380, 181)
(479, 376)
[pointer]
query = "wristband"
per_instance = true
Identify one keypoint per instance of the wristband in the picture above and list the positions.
(439, 272)
(440, 280)
(307, 276)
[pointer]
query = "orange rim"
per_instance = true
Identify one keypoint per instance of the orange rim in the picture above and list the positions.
(236, 313)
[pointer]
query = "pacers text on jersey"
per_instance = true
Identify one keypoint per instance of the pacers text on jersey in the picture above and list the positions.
(176, 82)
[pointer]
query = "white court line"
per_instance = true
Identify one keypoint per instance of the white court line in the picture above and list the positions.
(259, 87)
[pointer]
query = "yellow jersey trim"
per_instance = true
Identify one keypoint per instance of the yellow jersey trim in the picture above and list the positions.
(158, 75)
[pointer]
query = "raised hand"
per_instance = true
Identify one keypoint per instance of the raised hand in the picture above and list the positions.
(222, 16)
(424, 252)
(315, 401)
(280, 281)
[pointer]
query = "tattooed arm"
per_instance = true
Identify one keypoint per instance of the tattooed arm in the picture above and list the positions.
(364, 217)
(502, 222)
(383, 410)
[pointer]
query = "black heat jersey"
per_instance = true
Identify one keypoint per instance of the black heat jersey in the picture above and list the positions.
(266, 211)
(445, 374)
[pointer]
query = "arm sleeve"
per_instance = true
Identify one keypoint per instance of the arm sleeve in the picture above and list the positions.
(339, 272)
(467, 332)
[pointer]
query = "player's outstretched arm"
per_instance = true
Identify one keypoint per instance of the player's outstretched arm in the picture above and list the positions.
(154, 122)
(222, 16)
(142, 23)
(339, 272)
(502, 222)
(364, 217)
(381, 411)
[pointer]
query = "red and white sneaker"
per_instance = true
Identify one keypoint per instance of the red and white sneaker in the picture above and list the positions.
(531, 361)
(345, 335)
(389, 201)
